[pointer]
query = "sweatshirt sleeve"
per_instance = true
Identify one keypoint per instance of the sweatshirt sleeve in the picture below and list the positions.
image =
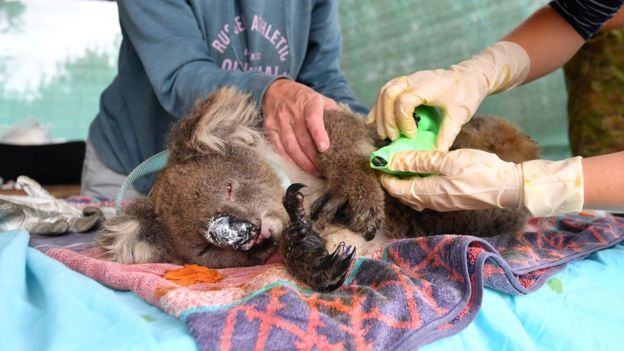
(175, 56)
(587, 17)
(321, 66)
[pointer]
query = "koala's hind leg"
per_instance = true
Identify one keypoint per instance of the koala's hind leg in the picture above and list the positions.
(494, 134)
(304, 250)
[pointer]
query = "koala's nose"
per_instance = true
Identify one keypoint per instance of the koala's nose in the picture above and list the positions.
(231, 231)
(272, 226)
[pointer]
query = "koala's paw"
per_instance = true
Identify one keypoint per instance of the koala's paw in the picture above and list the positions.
(304, 250)
(358, 205)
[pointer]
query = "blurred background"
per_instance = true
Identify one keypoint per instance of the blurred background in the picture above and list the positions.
(56, 56)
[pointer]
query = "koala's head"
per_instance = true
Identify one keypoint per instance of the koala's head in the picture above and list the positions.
(223, 209)
(218, 202)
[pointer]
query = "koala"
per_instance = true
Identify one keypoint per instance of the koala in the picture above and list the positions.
(220, 201)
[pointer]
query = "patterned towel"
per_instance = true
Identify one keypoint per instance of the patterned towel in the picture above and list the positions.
(410, 293)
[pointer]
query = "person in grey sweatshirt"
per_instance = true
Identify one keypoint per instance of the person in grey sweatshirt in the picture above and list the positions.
(285, 54)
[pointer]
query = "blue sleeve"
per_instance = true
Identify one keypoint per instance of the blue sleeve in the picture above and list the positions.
(321, 67)
(587, 17)
(175, 56)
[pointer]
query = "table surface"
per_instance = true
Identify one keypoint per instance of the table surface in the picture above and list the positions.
(59, 191)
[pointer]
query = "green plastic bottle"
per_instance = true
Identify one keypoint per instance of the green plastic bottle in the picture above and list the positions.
(428, 119)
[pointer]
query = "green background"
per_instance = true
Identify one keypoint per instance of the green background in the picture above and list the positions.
(381, 40)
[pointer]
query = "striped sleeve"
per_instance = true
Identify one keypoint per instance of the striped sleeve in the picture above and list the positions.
(587, 16)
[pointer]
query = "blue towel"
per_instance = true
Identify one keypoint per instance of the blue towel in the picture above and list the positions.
(46, 306)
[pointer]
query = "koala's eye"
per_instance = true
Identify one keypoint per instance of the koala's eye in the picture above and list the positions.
(229, 190)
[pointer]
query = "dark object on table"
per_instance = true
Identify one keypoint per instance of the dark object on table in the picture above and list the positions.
(58, 163)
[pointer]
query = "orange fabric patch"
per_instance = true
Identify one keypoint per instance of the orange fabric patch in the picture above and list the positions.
(191, 274)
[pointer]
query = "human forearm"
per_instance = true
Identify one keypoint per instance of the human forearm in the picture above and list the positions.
(175, 57)
(558, 41)
(603, 178)
(616, 22)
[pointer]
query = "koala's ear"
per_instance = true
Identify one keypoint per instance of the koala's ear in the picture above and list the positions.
(121, 239)
(225, 116)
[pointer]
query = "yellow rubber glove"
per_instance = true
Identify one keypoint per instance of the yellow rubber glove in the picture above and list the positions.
(458, 91)
(468, 179)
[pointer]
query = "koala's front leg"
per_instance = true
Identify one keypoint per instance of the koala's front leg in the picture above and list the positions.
(304, 251)
(355, 197)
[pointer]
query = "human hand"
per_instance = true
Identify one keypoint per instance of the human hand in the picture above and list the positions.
(463, 179)
(293, 121)
(457, 97)
(468, 179)
(458, 92)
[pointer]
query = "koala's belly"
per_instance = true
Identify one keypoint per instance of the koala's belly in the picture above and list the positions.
(315, 188)
(333, 235)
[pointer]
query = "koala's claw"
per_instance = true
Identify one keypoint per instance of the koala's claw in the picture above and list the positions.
(293, 202)
(304, 250)
(341, 255)
(318, 205)
(332, 269)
